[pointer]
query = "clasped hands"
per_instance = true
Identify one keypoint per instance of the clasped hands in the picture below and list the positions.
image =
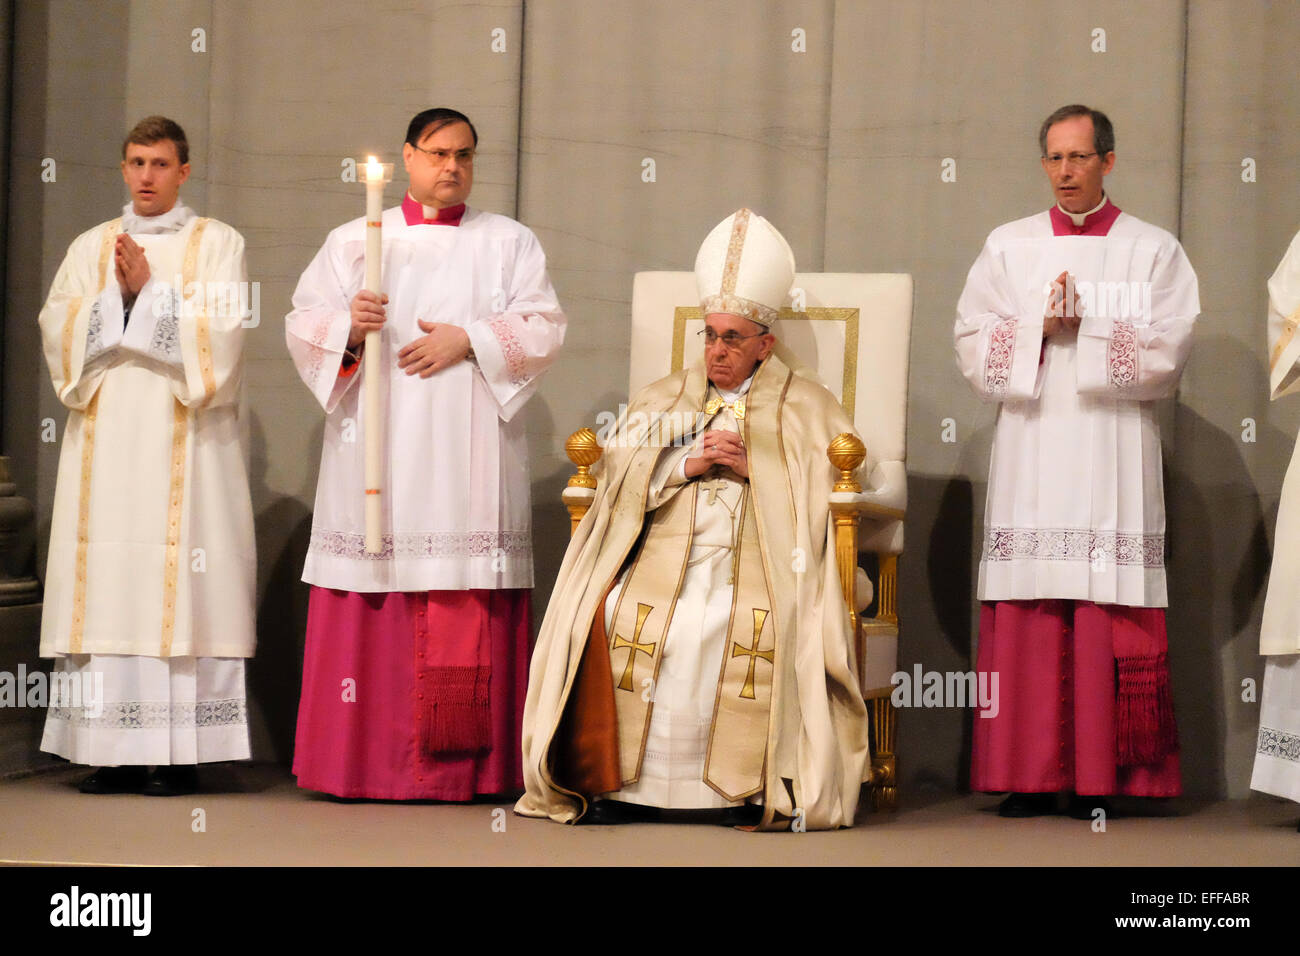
(1058, 317)
(718, 448)
(442, 345)
(130, 266)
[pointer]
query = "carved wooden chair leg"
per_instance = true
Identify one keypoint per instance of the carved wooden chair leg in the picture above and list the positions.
(884, 765)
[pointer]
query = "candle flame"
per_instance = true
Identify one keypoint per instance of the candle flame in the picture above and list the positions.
(374, 171)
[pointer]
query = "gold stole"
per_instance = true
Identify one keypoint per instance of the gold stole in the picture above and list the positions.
(738, 742)
(738, 739)
(641, 618)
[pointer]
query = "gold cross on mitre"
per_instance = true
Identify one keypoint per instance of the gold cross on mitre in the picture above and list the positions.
(717, 403)
(642, 612)
(747, 692)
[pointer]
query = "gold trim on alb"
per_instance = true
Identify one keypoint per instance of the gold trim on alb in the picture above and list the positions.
(107, 243)
(202, 333)
(175, 496)
(83, 525)
(70, 327)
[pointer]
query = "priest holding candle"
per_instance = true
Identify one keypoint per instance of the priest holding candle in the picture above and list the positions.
(417, 640)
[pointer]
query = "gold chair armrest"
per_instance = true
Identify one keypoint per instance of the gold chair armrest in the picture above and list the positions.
(870, 509)
(846, 453)
(584, 451)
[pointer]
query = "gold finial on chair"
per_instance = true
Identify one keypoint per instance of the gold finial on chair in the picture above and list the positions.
(584, 451)
(846, 453)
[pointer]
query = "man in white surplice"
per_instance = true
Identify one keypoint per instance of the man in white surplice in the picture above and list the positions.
(150, 578)
(1074, 321)
(432, 634)
(1277, 750)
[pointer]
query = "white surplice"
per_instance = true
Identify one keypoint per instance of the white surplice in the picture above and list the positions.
(1076, 405)
(1277, 751)
(151, 559)
(455, 479)
(686, 685)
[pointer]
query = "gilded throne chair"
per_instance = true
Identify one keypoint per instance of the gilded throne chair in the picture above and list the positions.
(852, 330)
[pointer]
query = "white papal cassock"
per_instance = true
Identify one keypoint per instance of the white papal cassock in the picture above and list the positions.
(1046, 535)
(150, 579)
(1277, 751)
(446, 527)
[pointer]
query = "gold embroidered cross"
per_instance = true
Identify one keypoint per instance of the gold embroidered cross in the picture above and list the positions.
(747, 692)
(642, 612)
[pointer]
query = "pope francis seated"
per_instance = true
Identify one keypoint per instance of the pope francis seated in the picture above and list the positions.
(697, 652)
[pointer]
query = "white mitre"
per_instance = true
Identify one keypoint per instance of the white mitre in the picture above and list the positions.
(745, 267)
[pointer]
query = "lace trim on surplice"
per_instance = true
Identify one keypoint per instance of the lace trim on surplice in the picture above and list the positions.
(1002, 349)
(423, 544)
(1279, 743)
(1121, 358)
(511, 348)
(1071, 544)
(155, 715)
(320, 333)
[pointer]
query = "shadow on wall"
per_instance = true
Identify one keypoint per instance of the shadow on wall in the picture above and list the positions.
(1218, 561)
(934, 627)
(936, 602)
(275, 673)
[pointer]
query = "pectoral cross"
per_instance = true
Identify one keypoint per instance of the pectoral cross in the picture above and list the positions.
(642, 612)
(713, 487)
(747, 692)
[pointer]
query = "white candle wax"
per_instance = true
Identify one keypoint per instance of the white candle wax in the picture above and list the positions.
(370, 360)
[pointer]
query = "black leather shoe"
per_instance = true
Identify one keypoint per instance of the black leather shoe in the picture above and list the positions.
(173, 781)
(745, 815)
(1027, 805)
(1081, 807)
(605, 813)
(115, 780)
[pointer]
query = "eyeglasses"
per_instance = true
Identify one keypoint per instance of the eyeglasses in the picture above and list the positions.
(439, 157)
(1075, 159)
(731, 340)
